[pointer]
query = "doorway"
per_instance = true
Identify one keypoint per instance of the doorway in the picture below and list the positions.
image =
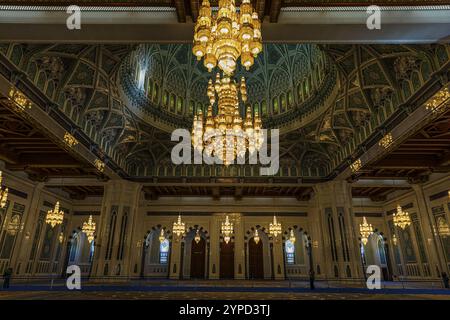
(198, 259)
(227, 260)
(255, 260)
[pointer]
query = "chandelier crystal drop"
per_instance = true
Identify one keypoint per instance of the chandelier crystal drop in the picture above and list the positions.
(292, 236)
(197, 237)
(227, 230)
(89, 229)
(178, 227)
(162, 237)
(401, 218)
(275, 227)
(256, 237)
(55, 216)
(3, 193)
(226, 135)
(223, 37)
(365, 229)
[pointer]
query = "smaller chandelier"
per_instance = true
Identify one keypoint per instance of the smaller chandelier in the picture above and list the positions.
(178, 227)
(401, 218)
(443, 228)
(256, 237)
(61, 237)
(3, 193)
(394, 239)
(197, 237)
(275, 227)
(89, 229)
(292, 236)
(162, 237)
(54, 216)
(227, 230)
(365, 230)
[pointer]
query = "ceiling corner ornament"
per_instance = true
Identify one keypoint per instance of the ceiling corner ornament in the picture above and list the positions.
(226, 135)
(227, 229)
(18, 100)
(386, 141)
(356, 166)
(54, 216)
(162, 237)
(197, 237)
(223, 37)
(89, 229)
(179, 227)
(401, 218)
(437, 103)
(100, 165)
(3, 193)
(365, 229)
(70, 140)
(292, 238)
(274, 227)
(256, 237)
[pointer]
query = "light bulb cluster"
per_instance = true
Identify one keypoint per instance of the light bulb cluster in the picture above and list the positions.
(401, 218)
(365, 229)
(179, 227)
(223, 37)
(54, 216)
(274, 227)
(226, 135)
(3, 193)
(227, 229)
(89, 229)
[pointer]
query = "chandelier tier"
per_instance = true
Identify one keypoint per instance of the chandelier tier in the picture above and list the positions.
(365, 229)
(226, 135)
(227, 229)
(401, 218)
(178, 227)
(275, 227)
(89, 229)
(224, 37)
(54, 216)
(3, 193)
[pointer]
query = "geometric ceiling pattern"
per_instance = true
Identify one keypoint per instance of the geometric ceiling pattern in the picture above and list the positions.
(327, 100)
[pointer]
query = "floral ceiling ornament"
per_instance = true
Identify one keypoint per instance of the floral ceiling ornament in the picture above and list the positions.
(89, 229)
(55, 216)
(100, 165)
(438, 103)
(401, 218)
(223, 37)
(386, 141)
(18, 100)
(70, 140)
(356, 166)
(3, 193)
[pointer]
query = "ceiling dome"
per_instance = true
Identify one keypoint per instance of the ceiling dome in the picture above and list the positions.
(165, 84)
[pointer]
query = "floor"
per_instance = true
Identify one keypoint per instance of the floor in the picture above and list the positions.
(222, 290)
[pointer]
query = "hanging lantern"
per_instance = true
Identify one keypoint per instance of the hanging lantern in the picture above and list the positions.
(275, 227)
(55, 216)
(89, 229)
(394, 239)
(256, 237)
(443, 228)
(292, 236)
(227, 230)
(365, 230)
(3, 193)
(401, 218)
(197, 237)
(178, 227)
(61, 237)
(162, 237)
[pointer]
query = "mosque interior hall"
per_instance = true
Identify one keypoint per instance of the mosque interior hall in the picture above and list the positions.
(224, 149)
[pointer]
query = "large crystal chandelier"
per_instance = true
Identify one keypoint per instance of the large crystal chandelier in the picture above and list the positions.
(224, 37)
(89, 229)
(54, 216)
(365, 229)
(178, 227)
(401, 218)
(227, 229)
(3, 193)
(275, 227)
(227, 135)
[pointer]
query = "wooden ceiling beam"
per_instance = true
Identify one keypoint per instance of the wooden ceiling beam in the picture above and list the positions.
(275, 9)
(181, 10)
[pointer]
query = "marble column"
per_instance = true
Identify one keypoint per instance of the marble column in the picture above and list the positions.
(239, 248)
(214, 252)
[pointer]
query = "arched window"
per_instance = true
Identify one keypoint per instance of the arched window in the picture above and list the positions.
(164, 252)
(290, 252)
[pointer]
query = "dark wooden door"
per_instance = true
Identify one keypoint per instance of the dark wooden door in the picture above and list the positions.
(255, 259)
(198, 259)
(227, 260)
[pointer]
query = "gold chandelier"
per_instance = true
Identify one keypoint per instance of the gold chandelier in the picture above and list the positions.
(197, 237)
(292, 236)
(3, 193)
(365, 229)
(256, 237)
(401, 218)
(162, 237)
(275, 227)
(54, 216)
(89, 229)
(227, 135)
(178, 227)
(227, 230)
(224, 37)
